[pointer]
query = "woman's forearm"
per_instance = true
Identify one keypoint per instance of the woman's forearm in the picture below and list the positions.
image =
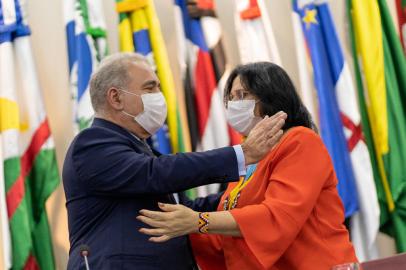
(222, 222)
(176, 220)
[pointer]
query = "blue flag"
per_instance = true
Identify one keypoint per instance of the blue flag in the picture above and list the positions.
(327, 62)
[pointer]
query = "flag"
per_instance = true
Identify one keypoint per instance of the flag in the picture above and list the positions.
(4, 226)
(87, 45)
(381, 73)
(327, 83)
(401, 10)
(140, 32)
(255, 38)
(29, 164)
(307, 89)
(365, 222)
(203, 64)
(204, 10)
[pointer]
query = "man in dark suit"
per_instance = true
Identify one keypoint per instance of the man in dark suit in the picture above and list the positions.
(110, 173)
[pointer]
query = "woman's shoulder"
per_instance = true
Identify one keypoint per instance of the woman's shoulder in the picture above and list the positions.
(299, 135)
(300, 138)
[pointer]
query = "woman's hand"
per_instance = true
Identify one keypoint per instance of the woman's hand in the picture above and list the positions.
(175, 220)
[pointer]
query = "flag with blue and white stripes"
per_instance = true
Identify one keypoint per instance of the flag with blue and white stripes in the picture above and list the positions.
(87, 45)
(327, 64)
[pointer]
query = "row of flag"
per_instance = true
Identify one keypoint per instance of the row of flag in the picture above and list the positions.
(362, 123)
(361, 119)
(28, 169)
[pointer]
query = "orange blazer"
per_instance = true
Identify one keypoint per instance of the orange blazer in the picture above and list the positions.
(289, 214)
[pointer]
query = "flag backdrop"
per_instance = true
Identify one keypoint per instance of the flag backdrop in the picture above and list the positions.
(87, 45)
(365, 222)
(139, 31)
(203, 64)
(381, 80)
(255, 38)
(30, 171)
(401, 10)
(326, 80)
(307, 89)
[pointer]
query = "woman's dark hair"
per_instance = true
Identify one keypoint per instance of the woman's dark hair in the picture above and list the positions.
(275, 90)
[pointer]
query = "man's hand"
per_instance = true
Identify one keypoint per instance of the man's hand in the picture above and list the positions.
(263, 137)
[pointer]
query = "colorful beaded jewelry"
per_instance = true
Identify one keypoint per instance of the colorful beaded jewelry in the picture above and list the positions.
(204, 222)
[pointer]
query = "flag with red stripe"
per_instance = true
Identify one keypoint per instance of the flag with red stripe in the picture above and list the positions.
(401, 10)
(203, 65)
(30, 172)
(340, 124)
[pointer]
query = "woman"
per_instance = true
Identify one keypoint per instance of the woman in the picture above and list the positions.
(286, 212)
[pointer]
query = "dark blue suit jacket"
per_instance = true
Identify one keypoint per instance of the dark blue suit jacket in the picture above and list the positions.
(109, 175)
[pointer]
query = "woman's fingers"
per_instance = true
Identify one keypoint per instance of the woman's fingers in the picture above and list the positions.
(155, 232)
(166, 207)
(151, 222)
(156, 215)
(160, 239)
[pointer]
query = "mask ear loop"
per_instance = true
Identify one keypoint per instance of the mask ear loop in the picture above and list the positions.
(134, 94)
(125, 91)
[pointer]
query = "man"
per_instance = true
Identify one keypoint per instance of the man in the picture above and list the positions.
(110, 173)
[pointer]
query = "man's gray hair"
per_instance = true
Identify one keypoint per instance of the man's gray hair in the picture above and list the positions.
(112, 72)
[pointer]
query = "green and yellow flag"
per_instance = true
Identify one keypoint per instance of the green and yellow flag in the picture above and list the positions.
(140, 31)
(29, 171)
(381, 79)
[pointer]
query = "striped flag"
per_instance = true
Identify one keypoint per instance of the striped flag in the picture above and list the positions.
(29, 164)
(364, 223)
(380, 66)
(204, 67)
(327, 81)
(87, 45)
(204, 10)
(140, 32)
(256, 41)
(4, 229)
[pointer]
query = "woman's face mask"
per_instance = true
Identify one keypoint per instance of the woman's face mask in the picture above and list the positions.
(240, 109)
(241, 115)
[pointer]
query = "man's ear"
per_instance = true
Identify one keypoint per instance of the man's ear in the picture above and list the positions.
(114, 98)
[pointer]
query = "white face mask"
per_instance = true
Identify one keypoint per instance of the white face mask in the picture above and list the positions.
(240, 115)
(154, 114)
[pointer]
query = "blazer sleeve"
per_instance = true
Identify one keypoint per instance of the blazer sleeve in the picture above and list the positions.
(300, 170)
(109, 166)
(201, 204)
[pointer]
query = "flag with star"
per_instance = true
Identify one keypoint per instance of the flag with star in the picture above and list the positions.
(380, 68)
(339, 118)
(87, 45)
(140, 32)
(306, 90)
(29, 171)
(336, 88)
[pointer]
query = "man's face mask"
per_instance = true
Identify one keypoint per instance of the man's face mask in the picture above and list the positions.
(154, 114)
